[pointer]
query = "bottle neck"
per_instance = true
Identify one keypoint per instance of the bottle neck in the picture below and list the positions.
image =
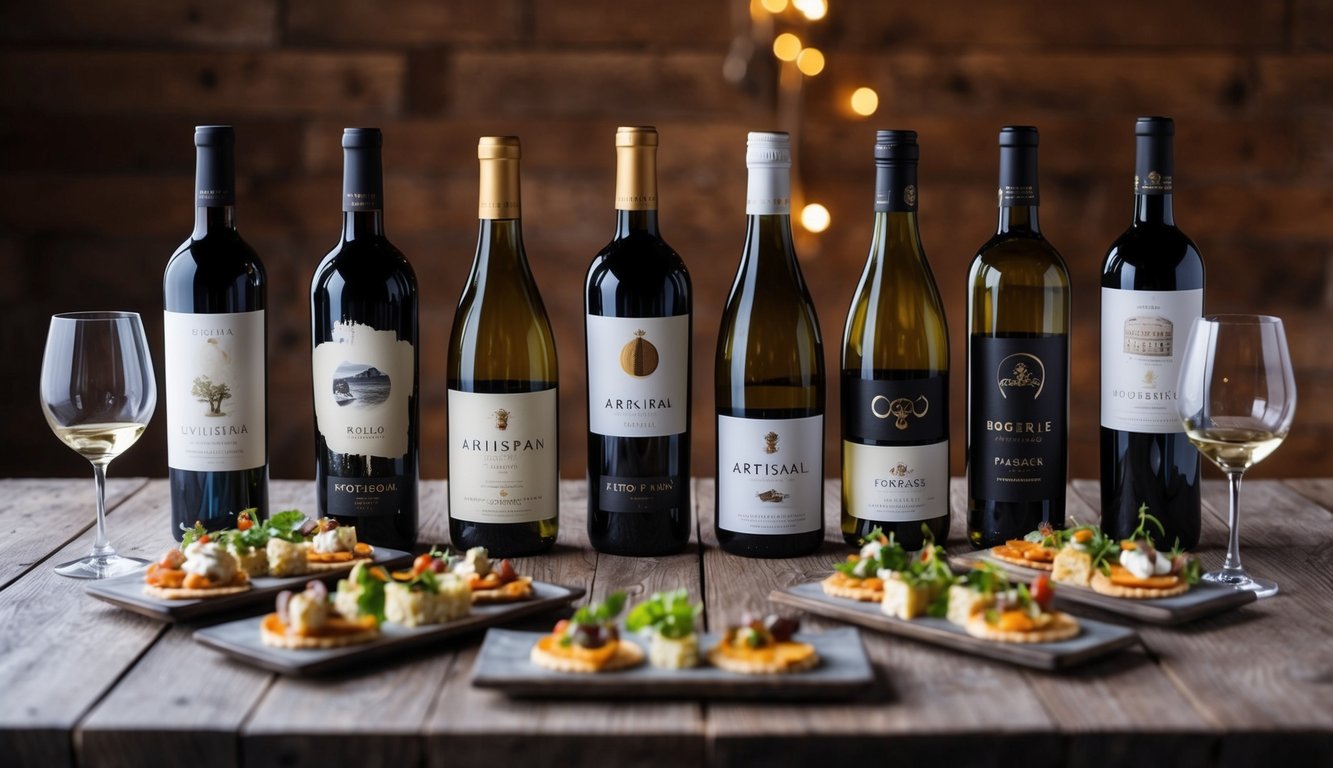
(768, 243)
(216, 218)
(499, 249)
(1018, 220)
(896, 232)
(1153, 209)
(895, 206)
(636, 222)
(357, 224)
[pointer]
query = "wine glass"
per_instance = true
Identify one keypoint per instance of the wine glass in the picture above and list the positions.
(98, 393)
(1237, 397)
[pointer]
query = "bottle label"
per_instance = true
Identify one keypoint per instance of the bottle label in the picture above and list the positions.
(642, 494)
(503, 456)
(638, 375)
(363, 389)
(215, 379)
(367, 496)
(896, 483)
(896, 448)
(770, 475)
(895, 410)
(1020, 407)
(1143, 341)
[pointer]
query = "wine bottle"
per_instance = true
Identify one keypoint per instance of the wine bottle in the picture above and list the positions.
(1152, 292)
(1017, 363)
(363, 312)
(637, 325)
(769, 379)
(895, 370)
(504, 472)
(215, 332)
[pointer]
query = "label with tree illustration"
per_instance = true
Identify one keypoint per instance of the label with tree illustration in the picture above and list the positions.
(215, 391)
(638, 375)
(503, 458)
(770, 475)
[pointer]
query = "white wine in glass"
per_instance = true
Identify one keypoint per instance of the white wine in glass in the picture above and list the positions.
(98, 393)
(1237, 398)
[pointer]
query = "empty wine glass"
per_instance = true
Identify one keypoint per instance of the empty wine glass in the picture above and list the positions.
(1237, 397)
(98, 393)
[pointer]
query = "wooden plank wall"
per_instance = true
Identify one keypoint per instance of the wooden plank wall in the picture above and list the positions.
(96, 164)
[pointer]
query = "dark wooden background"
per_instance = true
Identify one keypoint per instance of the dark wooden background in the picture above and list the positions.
(97, 101)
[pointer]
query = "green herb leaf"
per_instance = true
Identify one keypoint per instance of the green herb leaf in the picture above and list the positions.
(192, 535)
(370, 600)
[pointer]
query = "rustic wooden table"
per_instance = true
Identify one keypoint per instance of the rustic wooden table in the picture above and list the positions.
(84, 683)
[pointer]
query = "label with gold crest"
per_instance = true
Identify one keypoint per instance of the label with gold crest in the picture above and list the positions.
(638, 375)
(503, 465)
(770, 475)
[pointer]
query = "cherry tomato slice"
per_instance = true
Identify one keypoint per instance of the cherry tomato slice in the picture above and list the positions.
(1042, 592)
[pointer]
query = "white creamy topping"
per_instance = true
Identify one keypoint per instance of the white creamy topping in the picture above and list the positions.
(1143, 565)
(340, 539)
(476, 561)
(305, 612)
(209, 560)
(871, 550)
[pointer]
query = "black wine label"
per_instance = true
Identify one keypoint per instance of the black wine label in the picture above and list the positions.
(895, 187)
(367, 496)
(1018, 423)
(902, 411)
(641, 495)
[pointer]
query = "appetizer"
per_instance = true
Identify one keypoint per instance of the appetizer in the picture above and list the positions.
(588, 642)
(763, 646)
(1035, 550)
(333, 546)
(857, 578)
(498, 583)
(974, 591)
(1022, 615)
(362, 592)
(428, 594)
(910, 592)
(247, 543)
(203, 570)
(670, 618)
(308, 620)
(1132, 568)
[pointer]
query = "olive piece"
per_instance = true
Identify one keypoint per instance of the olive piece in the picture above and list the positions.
(588, 636)
(782, 627)
(317, 590)
(308, 527)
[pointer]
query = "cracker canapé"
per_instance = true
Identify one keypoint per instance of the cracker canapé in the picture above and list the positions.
(852, 588)
(546, 654)
(1061, 627)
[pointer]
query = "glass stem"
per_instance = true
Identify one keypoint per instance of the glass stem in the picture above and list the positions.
(102, 546)
(1231, 567)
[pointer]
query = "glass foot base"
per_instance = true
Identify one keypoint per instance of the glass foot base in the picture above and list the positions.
(1260, 587)
(93, 567)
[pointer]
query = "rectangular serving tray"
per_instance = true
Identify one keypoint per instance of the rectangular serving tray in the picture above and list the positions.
(844, 672)
(240, 639)
(127, 591)
(1203, 599)
(1096, 638)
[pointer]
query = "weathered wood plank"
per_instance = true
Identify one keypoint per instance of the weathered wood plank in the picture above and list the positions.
(924, 693)
(467, 723)
(1317, 489)
(39, 517)
(60, 650)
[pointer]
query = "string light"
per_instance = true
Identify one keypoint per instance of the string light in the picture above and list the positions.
(865, 101)
(815, 218)
(774, 6)
(787, 46)
(810, 61)
(813, 10)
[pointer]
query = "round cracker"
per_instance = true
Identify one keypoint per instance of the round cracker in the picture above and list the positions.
(181, 593)
(505, 593)
(1062, 627)
(746, 666)
(343, 565)
(837, 585)
(1102, 583)
(296, 642)
(628, 654)
(1034, 564)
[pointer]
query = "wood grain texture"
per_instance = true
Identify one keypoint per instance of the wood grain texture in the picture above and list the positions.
(1317, 489)
(467, 723)
(32, 510)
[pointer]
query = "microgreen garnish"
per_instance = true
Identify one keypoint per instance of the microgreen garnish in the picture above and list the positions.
(669, 613)
(285, 525)
(370, 598)
(191, 535)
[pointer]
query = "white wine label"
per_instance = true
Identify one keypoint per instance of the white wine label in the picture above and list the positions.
(215, 391)
(896, 483)
(770, 475)
(638, 375)
(768, 191)
(503, 458)
(1143, 339)
(363, 391)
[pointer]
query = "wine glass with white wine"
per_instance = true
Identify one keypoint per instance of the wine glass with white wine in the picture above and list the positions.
(98, 393)
(1237, 397)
